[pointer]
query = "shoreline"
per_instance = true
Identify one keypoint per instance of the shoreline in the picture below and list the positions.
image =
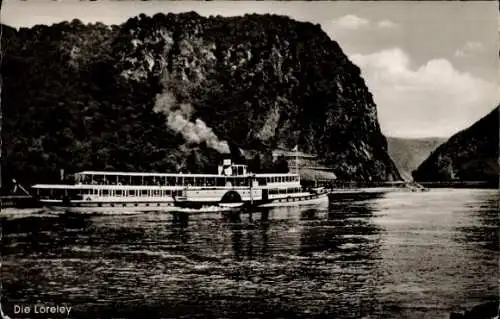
(22, 201)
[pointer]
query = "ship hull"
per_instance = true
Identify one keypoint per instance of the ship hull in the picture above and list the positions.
(107, 206)
(173, 206)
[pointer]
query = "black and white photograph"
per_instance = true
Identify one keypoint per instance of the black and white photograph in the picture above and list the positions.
(249, 159)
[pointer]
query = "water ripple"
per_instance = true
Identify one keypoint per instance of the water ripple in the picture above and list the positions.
(408, 255)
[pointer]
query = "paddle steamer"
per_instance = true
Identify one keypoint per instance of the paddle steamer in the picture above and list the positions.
(232, 187)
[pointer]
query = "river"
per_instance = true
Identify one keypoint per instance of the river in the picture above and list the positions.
(401, 255)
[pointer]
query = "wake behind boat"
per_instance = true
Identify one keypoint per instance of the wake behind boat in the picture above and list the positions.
(233, 187)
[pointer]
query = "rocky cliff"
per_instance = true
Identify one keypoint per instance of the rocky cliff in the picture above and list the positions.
(175, 91)
(470, 155)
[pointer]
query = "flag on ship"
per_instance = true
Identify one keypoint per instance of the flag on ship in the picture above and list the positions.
(296, 148)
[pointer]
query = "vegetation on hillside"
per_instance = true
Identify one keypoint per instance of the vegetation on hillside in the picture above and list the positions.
(470, 155)
(409, 153)
(81, 97)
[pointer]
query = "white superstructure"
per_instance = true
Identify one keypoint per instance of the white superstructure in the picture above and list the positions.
(233, 185)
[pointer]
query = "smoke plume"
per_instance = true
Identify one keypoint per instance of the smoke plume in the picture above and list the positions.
(178, 119)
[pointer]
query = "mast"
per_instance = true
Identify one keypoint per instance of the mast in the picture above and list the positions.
(251, 194)
(297, 159)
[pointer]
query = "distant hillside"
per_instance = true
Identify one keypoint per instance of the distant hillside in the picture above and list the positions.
(470, 155)
(409, 153)
(176, 91)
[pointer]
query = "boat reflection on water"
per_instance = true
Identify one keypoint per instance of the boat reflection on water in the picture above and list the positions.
(345, 227)
(249, 233)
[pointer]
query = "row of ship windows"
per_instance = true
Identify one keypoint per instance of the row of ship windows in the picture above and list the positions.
(142, 193)
(135, 193)
(282, 179)
(179, 180)
(108, 192)
(276, 191)
(146, 192)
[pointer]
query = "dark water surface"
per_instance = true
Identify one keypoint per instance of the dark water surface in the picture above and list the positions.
(403, 255)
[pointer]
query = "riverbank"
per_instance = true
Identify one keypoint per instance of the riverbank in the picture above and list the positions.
(461, 184)
(336, 184)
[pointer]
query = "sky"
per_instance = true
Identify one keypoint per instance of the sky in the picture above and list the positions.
(433, 67)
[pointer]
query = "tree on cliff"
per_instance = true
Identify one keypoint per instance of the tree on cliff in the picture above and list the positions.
(81, 96)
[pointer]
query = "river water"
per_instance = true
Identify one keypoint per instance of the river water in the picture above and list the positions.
(401, 255)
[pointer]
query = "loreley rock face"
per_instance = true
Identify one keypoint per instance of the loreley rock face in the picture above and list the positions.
(157, 91)
(264, 82)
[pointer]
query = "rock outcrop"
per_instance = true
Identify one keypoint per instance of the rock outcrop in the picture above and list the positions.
(470, 155)
(119, 97)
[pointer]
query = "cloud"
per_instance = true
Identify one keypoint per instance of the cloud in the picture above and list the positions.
(351, 21)
(386, 24)
(433, 99)
(469, 49)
